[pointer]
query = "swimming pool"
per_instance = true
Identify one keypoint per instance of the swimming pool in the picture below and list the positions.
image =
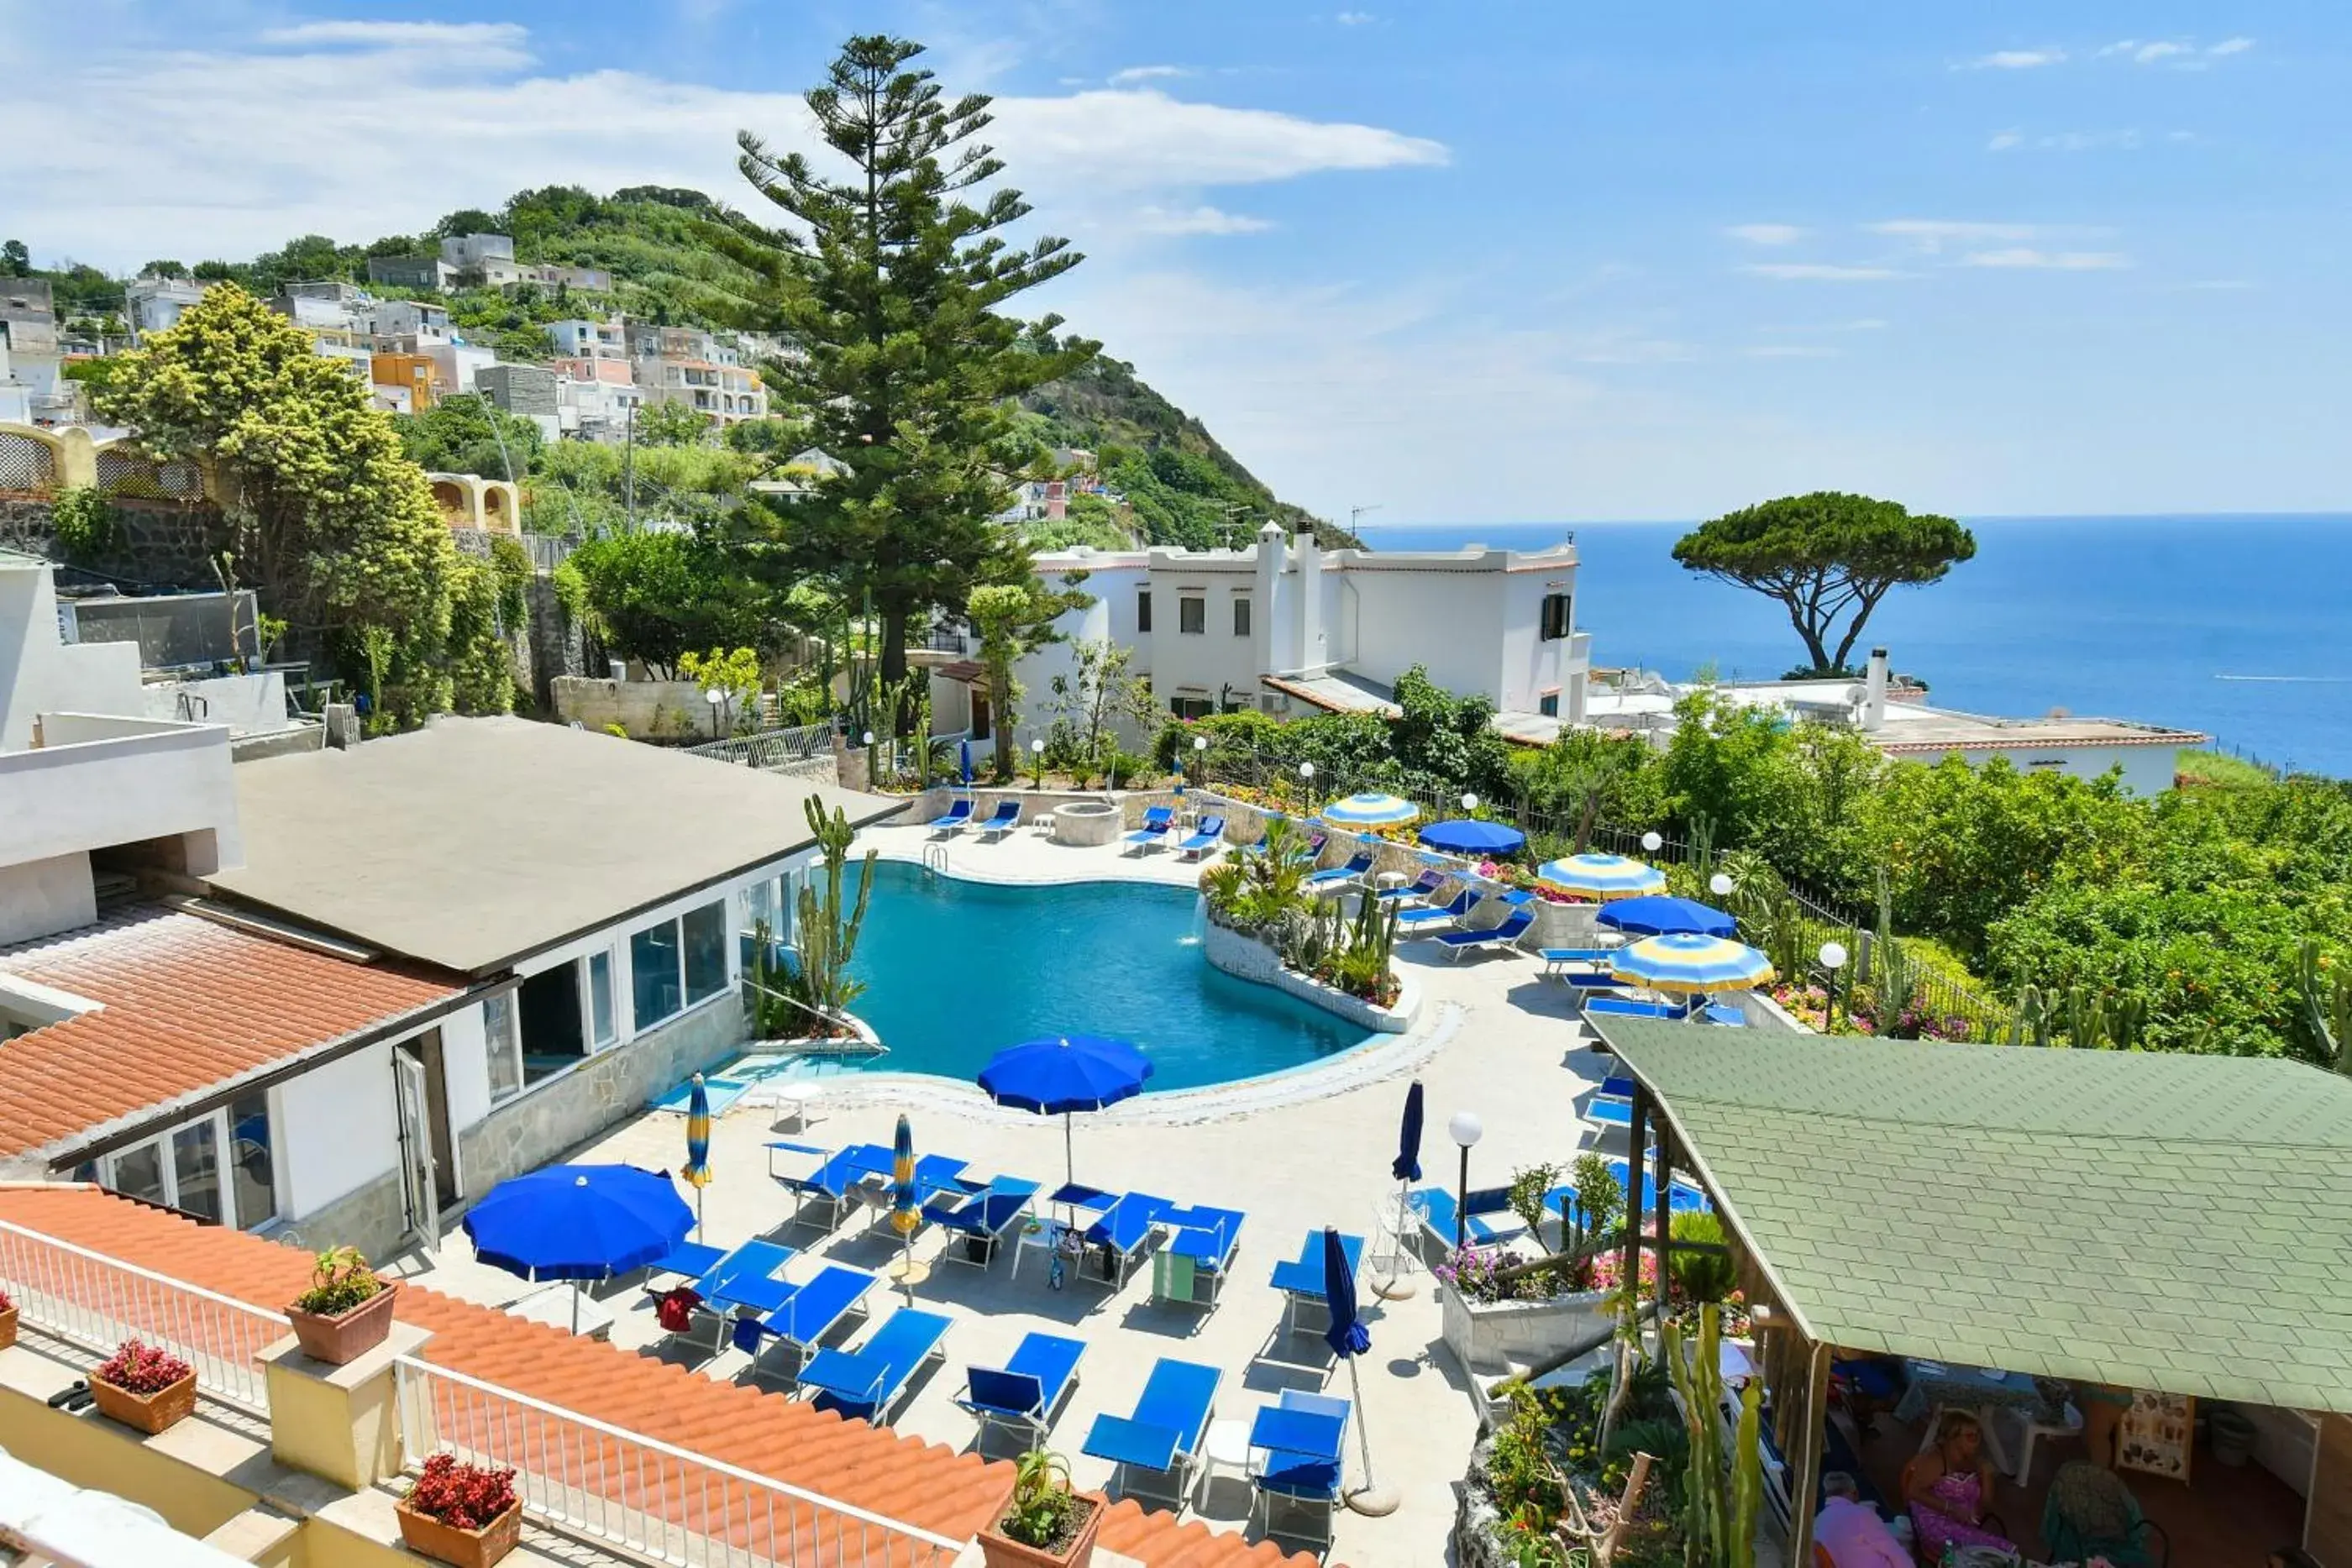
(957, 970)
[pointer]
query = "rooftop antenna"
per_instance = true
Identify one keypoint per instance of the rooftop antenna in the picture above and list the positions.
(1355, 512)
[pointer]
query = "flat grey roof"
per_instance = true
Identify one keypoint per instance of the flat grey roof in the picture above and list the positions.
(476, 841)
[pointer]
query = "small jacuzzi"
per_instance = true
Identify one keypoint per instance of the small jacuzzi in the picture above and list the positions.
(1087, 823)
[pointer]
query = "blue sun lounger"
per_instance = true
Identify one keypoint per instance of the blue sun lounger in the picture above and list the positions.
(959, 813)
(1312, 850)
(865, 1383)
(1512, 927)
(1432, 917)
(1443, 1212)
(1202, 1246)
(1206, 839)
(1566, 961)
(1163, 1437)
(746, 1277)
(688, 1260)
(1627, 1008)
(934, 1175)
(812, 1312)
(1025, 1392)
(1122, 1233)
(833, 1179)
(978, 1223)
(1335, 878)
(1301, 1436)
(1419, 891)
(1003, 821)
(1300, 1279)
(1684, 1197)
(1158, 822)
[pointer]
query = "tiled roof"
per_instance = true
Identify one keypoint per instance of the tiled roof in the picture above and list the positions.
(876, 1468)
(2145, 1219)
(185, 1005)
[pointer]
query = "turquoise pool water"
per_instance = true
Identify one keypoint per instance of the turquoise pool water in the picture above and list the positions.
(957, 970)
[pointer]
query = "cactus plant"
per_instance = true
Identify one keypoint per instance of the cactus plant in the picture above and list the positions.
(827, 937)
(1720, 1492)
(2030, 1025)
(2322, 995)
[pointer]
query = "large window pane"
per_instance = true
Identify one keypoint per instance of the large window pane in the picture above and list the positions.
(505, 1050)
(600, 997)
(139, 1173)
(706, 951)
(253, 1163)
(196, 1161)
(655, 989)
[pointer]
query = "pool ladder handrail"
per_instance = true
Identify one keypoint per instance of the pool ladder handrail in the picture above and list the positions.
(935, 859)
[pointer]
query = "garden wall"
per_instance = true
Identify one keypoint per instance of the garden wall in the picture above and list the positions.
(161, 542)
(1250, 959)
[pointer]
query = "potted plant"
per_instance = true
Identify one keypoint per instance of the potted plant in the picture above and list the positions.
(347, 1310)
(1045, 1524)
(7, 1320)
(466, 1515)
(144, 1387)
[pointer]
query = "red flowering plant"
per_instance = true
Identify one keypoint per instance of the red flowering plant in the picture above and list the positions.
(140, 1368)
(463, 1496)
(5, 1305)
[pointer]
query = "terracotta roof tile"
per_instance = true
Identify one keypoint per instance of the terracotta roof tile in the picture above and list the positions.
(184, 1004)
(876, 1468)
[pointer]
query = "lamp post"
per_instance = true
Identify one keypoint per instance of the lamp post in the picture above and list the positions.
(1200, 760)
(1652, 842)
(1037, 763)
(1306, 784)
(1720, 884)
(1832, 957)
(1469, 803)
(1466, 1130)
(716, 699)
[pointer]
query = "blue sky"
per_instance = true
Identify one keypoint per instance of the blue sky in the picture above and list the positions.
(1470, 261)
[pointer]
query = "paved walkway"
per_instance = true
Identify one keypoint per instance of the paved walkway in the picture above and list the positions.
(1295, 1152)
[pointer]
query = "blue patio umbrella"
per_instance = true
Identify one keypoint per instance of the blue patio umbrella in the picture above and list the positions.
(1348, 1338)
(1602, 877)
(1406, 1167)
(1659, 915)
(1463, 836)
(578, 1222)
(963, 759)
(1691, 964)
(1390, 1282)
(906, 1203)
(1063, 1075)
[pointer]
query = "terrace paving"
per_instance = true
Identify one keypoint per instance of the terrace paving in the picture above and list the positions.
(1295, 1152)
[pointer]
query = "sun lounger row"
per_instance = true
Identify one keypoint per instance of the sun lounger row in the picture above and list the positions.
(958, 816)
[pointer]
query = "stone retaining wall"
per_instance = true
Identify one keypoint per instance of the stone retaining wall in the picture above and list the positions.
(1250, 959)
(159, 542)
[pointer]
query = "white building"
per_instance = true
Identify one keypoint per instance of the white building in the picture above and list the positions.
(1289, 629)
(490, 257)
(408, 321)
(594, 409)
(153, 304)
(1900, 722)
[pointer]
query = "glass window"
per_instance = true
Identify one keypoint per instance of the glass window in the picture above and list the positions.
(654, 984)
(1191, 615)
(1556, 617)
(1240, 618)
(195, 1165)
(1191, 708)
(1548, 705)
(505, 1051)
(1143, 610)
(600, 997)
(706, 951)
(253, 1164)
(139, 1172)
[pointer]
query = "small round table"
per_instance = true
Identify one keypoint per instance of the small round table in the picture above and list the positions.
(1228, 1446)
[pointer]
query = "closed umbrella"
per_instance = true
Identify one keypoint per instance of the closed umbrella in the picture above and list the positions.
(1691, 964)
(1467, 837)
(578, 1222)
(1602, 876)
(963, 761)
(1657, 916)
(1348, 1338)
(906, 1203)
(1372, 810)
(1406, 1169)
(697, 1170)
(1064, 1074)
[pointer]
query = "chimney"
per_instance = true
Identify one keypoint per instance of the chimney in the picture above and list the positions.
(1874, 691)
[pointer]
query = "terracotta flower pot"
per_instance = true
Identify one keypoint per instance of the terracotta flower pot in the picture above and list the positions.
(345, 1336)
(998, 1550)
(7, 1328)
(148, 1412)
(463, 1548)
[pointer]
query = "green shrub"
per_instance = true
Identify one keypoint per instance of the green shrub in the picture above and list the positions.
(86, 525)
(1701, 1276)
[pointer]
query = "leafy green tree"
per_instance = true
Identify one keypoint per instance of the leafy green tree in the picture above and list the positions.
(1014, 619)
(656, 595)
(468, 433)
(165, 269)
(16, 259)
(672, 425)
(325, 516)
(1826, 556)
(1450, 740)
(890, 279)
(1589, 778)
(1100, 700)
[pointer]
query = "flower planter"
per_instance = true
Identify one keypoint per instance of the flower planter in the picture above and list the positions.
(1002, 1551)
(463, 1548)
(148, 1412)
(7, 1328)
(346, 1337)
(1496, 1335)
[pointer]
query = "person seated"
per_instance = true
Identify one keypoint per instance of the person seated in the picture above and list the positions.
(1949, 1489)
(1868, 1384)
(1849, 1531)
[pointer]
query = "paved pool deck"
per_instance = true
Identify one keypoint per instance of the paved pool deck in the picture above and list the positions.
(1295, 1152)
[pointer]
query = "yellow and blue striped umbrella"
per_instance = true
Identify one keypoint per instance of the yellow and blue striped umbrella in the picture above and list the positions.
(905, 1207)
(1692, 964)
(697, 1147)
(1603, 876)
(1370, 810)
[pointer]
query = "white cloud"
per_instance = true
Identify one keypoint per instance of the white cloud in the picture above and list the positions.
(2017, 60)
(2022, 257)
(1931, 235)
(2180, 54)
(1145, 73)
(2149, 54)
(1195, 220)
(2004, 140)
(1354, 18)
(1765, 234)
(1860, 324)
(1821, 272)
(401, 122)
(2231, 46)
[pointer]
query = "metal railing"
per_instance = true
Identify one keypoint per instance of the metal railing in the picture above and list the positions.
(582, 1478)
(89, 1300)
(773, 749)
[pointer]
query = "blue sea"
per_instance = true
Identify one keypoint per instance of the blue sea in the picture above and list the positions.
(2237, 626)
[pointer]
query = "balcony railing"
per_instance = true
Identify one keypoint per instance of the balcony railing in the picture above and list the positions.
(579, 1477)
(89, 1300)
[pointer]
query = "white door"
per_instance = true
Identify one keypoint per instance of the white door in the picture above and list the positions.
(416, 1173)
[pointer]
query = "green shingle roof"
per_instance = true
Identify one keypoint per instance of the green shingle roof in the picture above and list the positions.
(2182, 1223)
